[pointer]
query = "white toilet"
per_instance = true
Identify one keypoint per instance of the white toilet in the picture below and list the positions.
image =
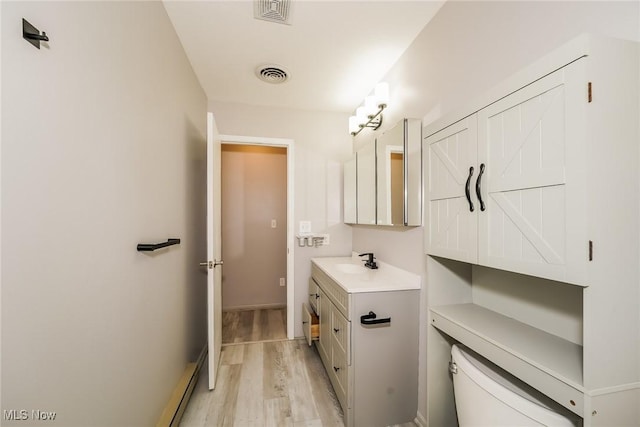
(486, 395)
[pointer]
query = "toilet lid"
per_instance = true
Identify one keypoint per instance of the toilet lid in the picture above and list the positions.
(468, 362)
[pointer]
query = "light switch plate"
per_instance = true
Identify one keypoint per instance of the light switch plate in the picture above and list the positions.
(305, 226)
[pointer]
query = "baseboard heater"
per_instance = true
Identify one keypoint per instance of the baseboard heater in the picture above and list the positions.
(174, 410)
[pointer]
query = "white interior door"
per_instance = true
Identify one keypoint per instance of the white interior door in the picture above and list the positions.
(214, 250)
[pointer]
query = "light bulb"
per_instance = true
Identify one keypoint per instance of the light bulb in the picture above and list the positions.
(353, 124)
(382, 93)
(361, 115)
(370, 106)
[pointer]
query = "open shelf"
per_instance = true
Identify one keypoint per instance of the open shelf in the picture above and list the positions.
(548, 363)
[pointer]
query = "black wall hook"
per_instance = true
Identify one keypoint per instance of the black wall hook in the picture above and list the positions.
(32, 34)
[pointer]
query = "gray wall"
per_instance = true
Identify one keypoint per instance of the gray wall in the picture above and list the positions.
(103, 147)
(254, 192)
(466, 49)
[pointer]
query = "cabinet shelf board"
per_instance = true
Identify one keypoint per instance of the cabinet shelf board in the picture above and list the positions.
(548, 363)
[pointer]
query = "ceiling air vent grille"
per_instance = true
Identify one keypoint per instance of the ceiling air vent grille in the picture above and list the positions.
(273, 10)
(272, 73)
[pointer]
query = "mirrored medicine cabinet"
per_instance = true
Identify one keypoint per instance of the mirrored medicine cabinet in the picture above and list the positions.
(383, 181)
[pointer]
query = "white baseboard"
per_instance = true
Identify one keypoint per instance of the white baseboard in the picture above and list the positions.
(420, 420)
(182, 393)
(254, 307)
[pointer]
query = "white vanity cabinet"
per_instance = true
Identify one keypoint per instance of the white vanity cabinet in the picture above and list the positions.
(533, 190)
(373, 367)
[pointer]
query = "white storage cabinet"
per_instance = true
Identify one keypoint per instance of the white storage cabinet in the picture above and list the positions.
(540, 177)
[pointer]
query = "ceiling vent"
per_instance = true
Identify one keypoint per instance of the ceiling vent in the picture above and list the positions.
(272, 73)
(278, 11)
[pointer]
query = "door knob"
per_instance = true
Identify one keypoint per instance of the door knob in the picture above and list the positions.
(211, 264)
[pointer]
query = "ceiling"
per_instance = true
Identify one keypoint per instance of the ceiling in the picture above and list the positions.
(335, 51)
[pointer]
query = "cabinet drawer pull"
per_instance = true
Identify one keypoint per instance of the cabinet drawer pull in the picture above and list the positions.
(370, 319)
(336, 330)
(336, 369)
(467, 189)
(478, 192)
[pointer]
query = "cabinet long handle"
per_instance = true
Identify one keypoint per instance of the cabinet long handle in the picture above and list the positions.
(478, 190)
(146, 247)
(370, 319)
(467, 189)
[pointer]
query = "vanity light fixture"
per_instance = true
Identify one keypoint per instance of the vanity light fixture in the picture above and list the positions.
(369, 115)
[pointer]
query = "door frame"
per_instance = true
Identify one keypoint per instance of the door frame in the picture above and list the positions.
(288, 144)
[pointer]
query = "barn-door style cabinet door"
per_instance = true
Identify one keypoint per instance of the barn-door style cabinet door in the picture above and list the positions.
(506, 184)
(531, 178)
(451, 225)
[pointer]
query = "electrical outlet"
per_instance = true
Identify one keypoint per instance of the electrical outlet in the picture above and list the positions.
(325, 241)
(274, 223)
(282, 282)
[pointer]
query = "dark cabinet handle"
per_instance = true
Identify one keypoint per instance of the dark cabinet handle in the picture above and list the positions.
(370, 319)
(317, 296)
(336, 330)
(478, 192)
(336, 369)
(467, 189)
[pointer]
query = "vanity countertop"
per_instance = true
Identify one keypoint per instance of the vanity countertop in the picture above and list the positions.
(352, 276)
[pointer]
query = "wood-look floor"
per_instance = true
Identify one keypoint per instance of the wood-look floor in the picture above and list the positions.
(277, 383)
(254, 325)
(264, 379)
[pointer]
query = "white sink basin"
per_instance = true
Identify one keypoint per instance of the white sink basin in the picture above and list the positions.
(351, 268)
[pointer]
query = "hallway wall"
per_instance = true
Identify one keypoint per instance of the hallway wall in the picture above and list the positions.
(254, 192)
(103, 147)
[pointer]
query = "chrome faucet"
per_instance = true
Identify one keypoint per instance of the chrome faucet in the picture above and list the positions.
(370, 263)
